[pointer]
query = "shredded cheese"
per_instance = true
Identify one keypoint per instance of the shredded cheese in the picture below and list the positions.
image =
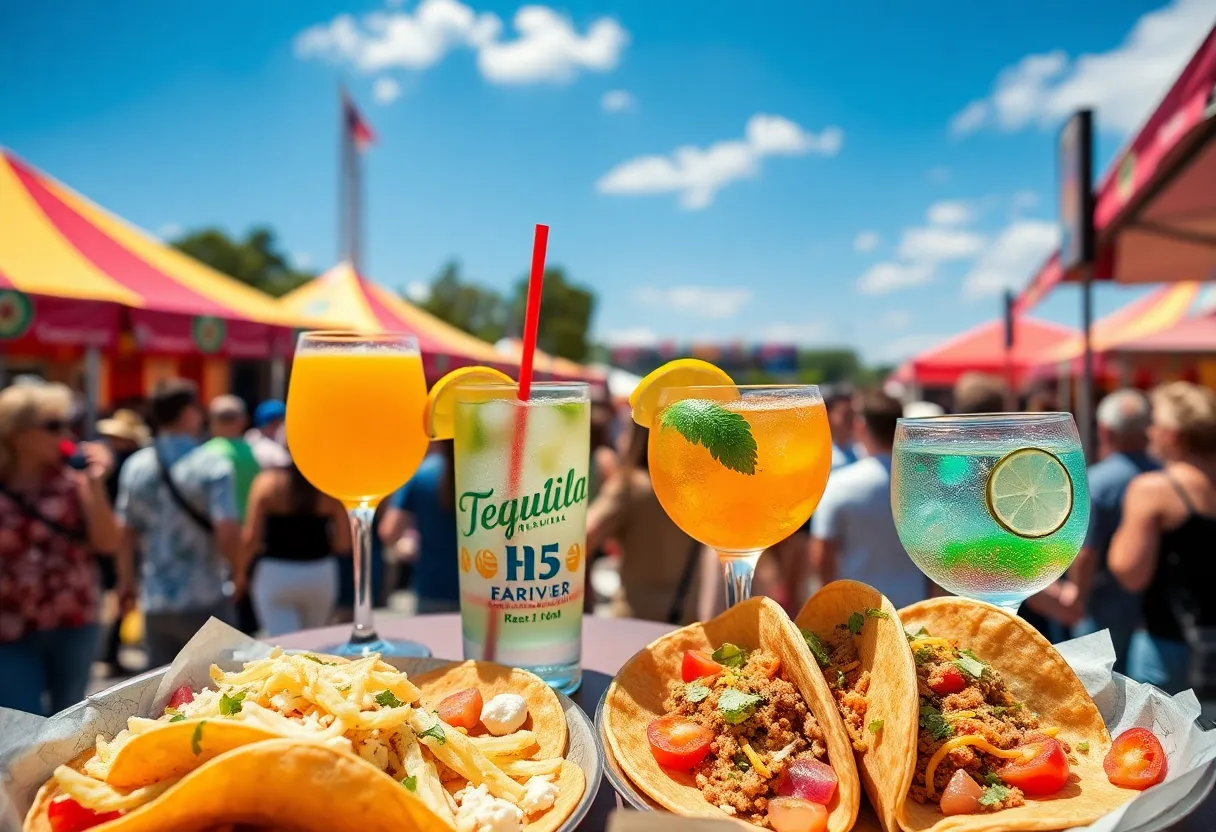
(756, 762)
(1050, 732)
(961, 715)
(933, 641)
(958, 742)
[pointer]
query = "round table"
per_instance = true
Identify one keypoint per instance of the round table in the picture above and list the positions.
(607, 644)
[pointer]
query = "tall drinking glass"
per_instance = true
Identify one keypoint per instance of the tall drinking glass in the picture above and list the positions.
(740, 468)
(354, 428)
(990, 506)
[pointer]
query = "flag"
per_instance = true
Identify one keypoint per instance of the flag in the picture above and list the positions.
(357, 130)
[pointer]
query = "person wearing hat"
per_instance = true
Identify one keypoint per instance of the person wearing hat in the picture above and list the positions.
(266, 435)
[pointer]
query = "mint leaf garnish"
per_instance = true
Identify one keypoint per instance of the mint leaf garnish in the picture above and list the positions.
(736, 706)
(856, 622)
(695, 692)
(730, 655)
(726, 435)
(818, 650)
(388, 699)
(230, 705)
(196, 739)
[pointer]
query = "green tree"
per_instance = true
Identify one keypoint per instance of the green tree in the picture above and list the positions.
(465, 305)
(255, 260)
(565, 317)
(829, 366)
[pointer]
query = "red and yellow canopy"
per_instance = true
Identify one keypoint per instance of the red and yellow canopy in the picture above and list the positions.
(982, 349)
(58, 251)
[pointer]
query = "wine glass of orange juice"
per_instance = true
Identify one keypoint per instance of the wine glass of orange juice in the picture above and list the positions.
(354, 429)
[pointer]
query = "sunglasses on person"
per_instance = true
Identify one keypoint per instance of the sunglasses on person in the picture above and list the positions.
(54, 425)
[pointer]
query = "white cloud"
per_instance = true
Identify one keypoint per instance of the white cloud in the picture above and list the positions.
(1011, 260)
(170, 230)
(701, 301)
(418, 292)
(385, 90)
(547, 46)
(638, 336)
(866, 241)
(618, 101)
(949, 212)
(1121, 84)
(935, 244)
(810, 332)
(882, 278)
(697, 174)
(939, 175)
(896, 319)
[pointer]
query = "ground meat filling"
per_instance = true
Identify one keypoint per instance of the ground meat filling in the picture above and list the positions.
(983, 707)
(850, 683)
(779, 730)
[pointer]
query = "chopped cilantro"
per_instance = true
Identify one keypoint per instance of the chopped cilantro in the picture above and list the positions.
(695, 692)
(932, 721)
(1083, 747)
(741, 762)
(991, 779)
(969, 664)
(818, 650)
(993, 795)
(839, 683)
(875, 726)
(410, 783)
(196, 739)
(856, 622)
(388, 699)
(737, 706)
(922, 655)
(1000, 710)
(178, 717)
(343, 688)
(313, 658)
(918, 634)
(435, 732)
(872, 612)
(730, 655)
(230, 705)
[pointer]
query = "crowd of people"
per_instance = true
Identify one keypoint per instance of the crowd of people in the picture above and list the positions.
(196, 512)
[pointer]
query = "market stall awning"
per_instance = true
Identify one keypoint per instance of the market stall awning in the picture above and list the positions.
(343, 299)
(1190, 337)
(982, 349)
(1159, 310)
(1155, 209)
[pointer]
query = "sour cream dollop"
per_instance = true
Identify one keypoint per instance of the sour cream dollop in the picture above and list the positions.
(504, 714)
(480, 811)
(539, 794)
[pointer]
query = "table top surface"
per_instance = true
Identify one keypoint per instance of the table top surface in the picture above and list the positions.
(607, 644)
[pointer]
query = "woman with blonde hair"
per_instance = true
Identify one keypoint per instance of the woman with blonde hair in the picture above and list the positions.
(1165, 546)
(51, 520)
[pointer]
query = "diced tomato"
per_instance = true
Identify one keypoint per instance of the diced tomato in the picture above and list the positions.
(810, 780)
(1136, 760)
(950, 681)
(66, 815)
(697, 665)
(678, 743)
(1041, 771)
(962, 795)
(793, 814)
(181, 696)
(462, 709)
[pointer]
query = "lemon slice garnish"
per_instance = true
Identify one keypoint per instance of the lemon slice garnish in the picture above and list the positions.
(1029, 493)
(439, 417)
(683, 372)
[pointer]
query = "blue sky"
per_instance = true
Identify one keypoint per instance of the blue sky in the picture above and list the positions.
(866, 173)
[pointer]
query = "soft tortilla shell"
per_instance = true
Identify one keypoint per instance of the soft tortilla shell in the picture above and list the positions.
(1038, 676)
(545, 716)
(636, 696)
(887, 766)
(167, 752)
(282, 783)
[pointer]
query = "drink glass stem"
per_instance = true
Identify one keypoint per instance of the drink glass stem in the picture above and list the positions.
(364, 630)
(737, 570)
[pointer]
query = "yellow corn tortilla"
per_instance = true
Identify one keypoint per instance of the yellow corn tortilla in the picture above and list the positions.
(167, 751)
(319, 789)
(545, 716)
(887, 765)
(1040, 678)
(636, 696)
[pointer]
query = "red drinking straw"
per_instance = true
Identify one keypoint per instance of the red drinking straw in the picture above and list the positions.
(536, 281)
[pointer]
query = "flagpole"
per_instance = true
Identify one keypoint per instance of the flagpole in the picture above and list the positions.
(343, 176)
(356, 209)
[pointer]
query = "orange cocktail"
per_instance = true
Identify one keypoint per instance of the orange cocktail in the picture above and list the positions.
(354, 421)
(734, 511)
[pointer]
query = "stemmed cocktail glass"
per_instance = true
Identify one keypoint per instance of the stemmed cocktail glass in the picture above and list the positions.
(740, 468)
(990, 506)
(354, 428)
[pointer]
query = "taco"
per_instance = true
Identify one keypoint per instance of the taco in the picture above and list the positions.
(732, 717)
(314, 743)
(855, 636)
(985, 728)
